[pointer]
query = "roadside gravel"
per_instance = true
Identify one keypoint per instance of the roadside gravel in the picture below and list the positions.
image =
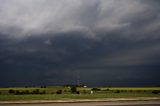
(81, 100)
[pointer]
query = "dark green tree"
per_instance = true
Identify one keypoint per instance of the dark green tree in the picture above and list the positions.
(73, 89)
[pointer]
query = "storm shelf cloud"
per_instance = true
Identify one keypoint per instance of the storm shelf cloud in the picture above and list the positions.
(105, 42)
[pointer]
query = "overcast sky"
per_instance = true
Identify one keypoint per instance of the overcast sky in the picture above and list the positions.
(93, 42)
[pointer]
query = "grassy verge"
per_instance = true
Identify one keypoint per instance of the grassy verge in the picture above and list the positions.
(50, 93)
(73, 96)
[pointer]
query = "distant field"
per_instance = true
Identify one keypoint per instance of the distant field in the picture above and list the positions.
(54, 93)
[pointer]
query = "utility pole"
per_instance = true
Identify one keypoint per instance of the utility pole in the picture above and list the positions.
(77, 78)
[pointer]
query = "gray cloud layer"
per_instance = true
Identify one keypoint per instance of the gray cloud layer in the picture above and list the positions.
(22, 18)
(47, 41)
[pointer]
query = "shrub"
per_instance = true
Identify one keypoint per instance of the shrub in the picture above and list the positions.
(138, 91)
(77, 92)
(107, 89)
(73, 89)
(155, 91)
(43, 92)
(11, 91)
(36, 91)
(17, 92)
(59, 92)
(117, 91)
(42, 86)
(26, 92)
(95, 89)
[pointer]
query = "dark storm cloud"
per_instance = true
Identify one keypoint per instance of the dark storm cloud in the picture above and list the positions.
(51, 41)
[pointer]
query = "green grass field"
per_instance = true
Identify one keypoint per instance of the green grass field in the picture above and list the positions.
(50, 93)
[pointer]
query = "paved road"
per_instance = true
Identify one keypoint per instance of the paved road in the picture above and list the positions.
(120, 103)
